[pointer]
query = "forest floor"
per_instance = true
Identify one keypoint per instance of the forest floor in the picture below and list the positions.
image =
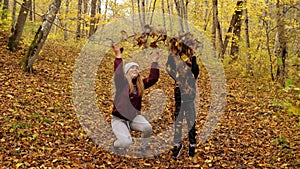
(40, 127)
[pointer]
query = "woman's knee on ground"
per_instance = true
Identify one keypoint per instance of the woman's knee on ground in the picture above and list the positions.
(146, 130)
(124, 143)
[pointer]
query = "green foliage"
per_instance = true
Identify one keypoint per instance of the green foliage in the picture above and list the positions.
(282, 142)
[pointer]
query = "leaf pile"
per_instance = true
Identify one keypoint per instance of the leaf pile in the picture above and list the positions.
(39, 126)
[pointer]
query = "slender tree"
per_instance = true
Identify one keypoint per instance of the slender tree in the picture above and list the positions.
(247, 37)
(79, 19)
(281, 51)
(18, 28)
(13, 17)
(40, 36)
(233, 24)
(237, 30)
(93, 20)
(66, 36)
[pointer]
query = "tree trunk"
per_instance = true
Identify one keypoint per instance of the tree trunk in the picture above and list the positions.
(33, 10)
(232, 25)
(152, 12)
(237, 30)
(133, 23)
(17, 29)
(143, 12)
(247, 37)
(40, 36)
(140, 15)
(13, 17)
(85, 24)
(105, 10)
(206, 16)
(170, 6)
(66, 36)
(179, 13)
(93, 20)
(282, 47)
(214, 23)
(216, 29)
(185, 14)
(164, 16)
(78, 27)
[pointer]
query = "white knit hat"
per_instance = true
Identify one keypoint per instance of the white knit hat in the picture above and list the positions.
(128, 66)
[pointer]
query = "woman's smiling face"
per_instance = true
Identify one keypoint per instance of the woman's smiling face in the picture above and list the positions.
(134, 71)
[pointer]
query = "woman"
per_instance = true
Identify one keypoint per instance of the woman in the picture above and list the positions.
(130, 86)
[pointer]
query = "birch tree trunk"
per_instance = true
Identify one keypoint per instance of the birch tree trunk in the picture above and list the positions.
(18, 28)
(40, 37)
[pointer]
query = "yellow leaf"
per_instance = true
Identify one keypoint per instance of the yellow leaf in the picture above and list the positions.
(147, 164)
(10, 96)
(29, 90)
(18, 165)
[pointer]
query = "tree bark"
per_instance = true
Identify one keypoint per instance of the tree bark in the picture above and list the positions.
(40, 36)
(133, 23)
(152, 12)
(17, 29)
(232, 25)
(164, 16)
(93, 20)
(13, 17)
(78, 27)
(281, 52)
(180, 15)
(105, 10)
(170, 6)
(214, 23)
(237, 30)
(140, 15)
(206, 16)
(66, 36)
(85, 24)
(247, 37)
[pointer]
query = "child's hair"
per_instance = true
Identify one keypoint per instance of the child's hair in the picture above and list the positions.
(139, 84)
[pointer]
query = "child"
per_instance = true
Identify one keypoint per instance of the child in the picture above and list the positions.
(184, 93)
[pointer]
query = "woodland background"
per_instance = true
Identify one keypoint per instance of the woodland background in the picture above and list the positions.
(257, 42)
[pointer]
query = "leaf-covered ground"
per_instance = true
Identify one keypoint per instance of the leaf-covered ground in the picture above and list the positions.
(40, 128)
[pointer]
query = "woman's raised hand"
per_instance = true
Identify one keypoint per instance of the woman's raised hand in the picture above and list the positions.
(157, 56)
